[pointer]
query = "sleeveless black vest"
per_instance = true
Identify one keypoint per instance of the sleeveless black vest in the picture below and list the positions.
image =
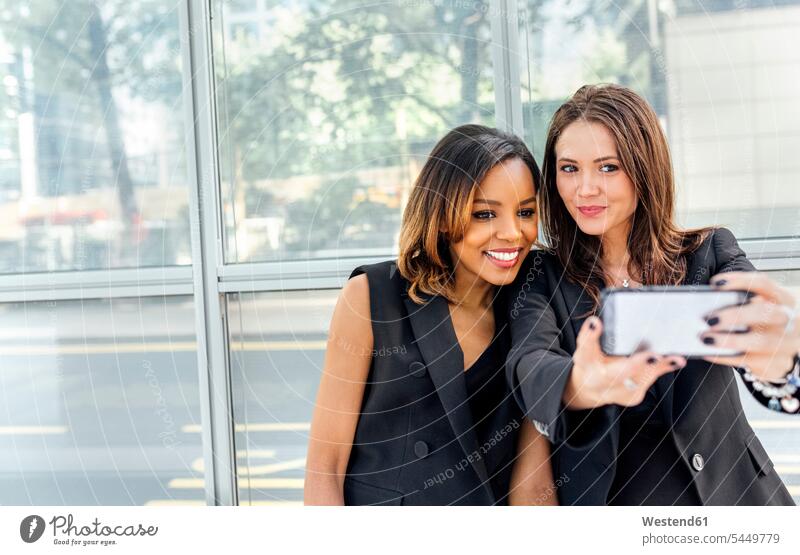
(415, 442)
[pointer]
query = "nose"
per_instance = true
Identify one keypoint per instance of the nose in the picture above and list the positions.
(509, 229)
(587, 185)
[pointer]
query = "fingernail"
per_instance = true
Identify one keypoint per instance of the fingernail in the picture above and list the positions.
(651, 360)
(708, 340)
(720, 282)
(674, 363)
(592, 325)
(713, 321)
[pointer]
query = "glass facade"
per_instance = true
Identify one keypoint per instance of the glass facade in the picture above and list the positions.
(276, 364)
(137, 327)
(722, 77)
(327, 111)
(99, 402)
(92, 158)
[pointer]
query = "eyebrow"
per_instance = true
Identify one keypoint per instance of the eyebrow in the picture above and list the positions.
(494, 202)
(601, 159)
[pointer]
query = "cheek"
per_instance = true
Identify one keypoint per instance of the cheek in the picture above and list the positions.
(475, 236)
(624, 195)
(530, 230)
(566, 187)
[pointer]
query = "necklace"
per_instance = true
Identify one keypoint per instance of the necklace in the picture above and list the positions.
(626, 282)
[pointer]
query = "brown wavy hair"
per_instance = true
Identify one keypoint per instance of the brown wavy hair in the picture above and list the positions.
(441, 199)
(658, 248)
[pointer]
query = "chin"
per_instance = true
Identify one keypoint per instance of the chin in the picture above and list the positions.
(592, 228)
(499, 276)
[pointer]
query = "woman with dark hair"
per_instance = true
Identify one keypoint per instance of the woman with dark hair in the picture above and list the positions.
(644, 429)
(413, 406)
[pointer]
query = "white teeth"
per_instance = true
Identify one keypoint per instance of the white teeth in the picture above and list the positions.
(505, 256)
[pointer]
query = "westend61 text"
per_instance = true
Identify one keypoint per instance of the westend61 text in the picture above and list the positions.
(692, 521)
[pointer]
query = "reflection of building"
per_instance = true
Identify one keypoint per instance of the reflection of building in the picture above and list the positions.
(733, 119)
(72, 156)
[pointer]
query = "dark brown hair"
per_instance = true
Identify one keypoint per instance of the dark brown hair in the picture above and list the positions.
(442, 199)
(658, 248)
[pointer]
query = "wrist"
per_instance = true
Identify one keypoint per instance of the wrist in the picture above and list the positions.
(576, 395)
(781, 391)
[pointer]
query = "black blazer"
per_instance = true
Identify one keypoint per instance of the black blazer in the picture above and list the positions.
(415, 443)
(701, 400)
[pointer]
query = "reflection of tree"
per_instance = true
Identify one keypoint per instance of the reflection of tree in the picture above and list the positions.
(638, 27)
(101, 76)
(332, 218)
(328, 96)
(85, 53)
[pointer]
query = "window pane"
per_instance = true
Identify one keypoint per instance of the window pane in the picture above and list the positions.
(721, 74)
(92, 162)
(100, 403)
(327, 110)
(277, 352)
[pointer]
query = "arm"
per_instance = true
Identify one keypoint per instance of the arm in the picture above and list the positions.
(571, 396)
(772, 342)
(338, 405)
(538, 367)
(532, 475)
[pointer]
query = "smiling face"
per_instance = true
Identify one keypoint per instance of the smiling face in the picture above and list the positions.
(597, 192)
(502, 225)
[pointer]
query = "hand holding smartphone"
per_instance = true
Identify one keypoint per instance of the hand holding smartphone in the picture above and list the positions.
(667, 320)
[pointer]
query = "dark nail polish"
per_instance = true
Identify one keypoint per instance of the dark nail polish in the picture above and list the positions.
(720, 282)
(674, 363)
(651, 360)
(708, 340)
(713, 321)
(592, 325)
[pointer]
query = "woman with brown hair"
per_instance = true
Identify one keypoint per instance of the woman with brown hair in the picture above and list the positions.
(644, 429)
(413, 407)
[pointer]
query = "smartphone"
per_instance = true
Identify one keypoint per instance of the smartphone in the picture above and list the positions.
(667, 320)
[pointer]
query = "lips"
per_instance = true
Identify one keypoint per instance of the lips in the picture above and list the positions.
(504, 258)
(591, 211)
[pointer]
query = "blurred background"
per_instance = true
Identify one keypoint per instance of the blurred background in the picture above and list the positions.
(160, 157)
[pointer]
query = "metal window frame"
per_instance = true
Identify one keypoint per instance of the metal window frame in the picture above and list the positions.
(216, 402)
(504, 19)
(209, 279)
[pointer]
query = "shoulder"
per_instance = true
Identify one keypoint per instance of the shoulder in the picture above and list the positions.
(354, 295)
(721, 252)
(381, 274)
(386, 268)
(539, 266)
(723, 240)
(539, 271)
(540, 261)
(717, 238)
(381, 280)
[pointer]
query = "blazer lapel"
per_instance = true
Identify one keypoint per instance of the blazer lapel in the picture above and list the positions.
(438, 344)
(579, 302)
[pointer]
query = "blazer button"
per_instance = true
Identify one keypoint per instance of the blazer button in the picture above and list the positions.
(417, 369)
(421, 449)
(697, 462)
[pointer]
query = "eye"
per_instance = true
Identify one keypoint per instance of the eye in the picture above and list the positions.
(608, 168)
(527, 213)
(484, 214)
(568, 168)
